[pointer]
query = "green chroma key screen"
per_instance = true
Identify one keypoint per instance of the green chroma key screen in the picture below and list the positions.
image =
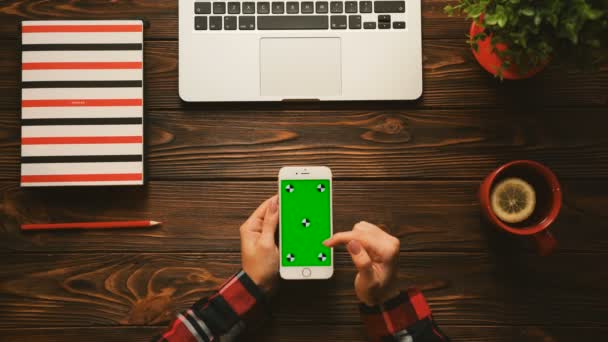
(305, 222)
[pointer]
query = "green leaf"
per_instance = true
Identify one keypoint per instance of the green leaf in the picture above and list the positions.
(593, 14)
(502, 20)
(490, 19)
(571, 32)
(537, 20)
(449, 9)
(474, 11)
(501, 15)
(480, 36)
(527, 11)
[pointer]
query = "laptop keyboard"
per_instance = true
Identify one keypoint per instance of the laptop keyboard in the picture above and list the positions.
(299, 15)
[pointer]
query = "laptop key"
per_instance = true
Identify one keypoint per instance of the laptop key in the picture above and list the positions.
(338, 22)
(263, 7)
(230, 22)
(200, 23)
(365, 6)
(385, 18)
(308, 7)
(350, 7)
(248, 7)
(399, 24)
(278, 7)
(293, 22)
(384, 26)
(234, 7)
(215, 23)
(246, 22)
(321, 6)
(202, 7)
(336, 6)
(293, 7)
(369, 25)
(389, 6)
(219, 7)
(354, 22)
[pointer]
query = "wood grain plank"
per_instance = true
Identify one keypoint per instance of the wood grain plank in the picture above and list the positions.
(304, 333)
(205, 216)
(142, 289)
(162, 15)
(420, 144)
(452, 78)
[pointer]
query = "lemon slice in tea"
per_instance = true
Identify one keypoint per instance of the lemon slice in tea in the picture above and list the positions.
(513, 200)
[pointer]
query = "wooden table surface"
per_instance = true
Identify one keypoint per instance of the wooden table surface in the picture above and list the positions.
(413, 166)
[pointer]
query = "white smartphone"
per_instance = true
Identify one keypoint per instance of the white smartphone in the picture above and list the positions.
(305, 221)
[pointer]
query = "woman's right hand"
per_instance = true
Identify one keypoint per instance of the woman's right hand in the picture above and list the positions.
(375, 254)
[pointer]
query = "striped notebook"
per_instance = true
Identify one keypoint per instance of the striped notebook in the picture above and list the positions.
(82, 103)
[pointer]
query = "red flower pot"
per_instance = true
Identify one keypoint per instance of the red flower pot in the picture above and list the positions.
(492, 62)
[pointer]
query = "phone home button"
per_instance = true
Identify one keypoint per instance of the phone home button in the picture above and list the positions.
(306, 272)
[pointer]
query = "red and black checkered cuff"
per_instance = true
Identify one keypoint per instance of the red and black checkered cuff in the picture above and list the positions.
(396, 314)
(246, 299)
(238, 300)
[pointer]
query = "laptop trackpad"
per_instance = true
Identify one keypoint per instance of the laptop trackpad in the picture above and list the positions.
(300, 68)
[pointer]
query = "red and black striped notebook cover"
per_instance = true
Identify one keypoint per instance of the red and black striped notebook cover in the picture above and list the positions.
(82, 103)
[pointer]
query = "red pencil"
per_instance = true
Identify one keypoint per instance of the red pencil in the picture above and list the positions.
(89, 225)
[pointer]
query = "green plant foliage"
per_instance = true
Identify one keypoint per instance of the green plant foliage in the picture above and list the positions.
(536, 30)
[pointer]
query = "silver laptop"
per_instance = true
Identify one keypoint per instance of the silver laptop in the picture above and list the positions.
(299, 50)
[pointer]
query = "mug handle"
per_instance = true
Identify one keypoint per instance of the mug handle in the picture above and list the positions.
(545, 242)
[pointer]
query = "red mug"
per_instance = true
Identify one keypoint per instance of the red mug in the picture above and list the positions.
(548, 201)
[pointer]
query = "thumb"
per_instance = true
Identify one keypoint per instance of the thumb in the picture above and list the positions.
(361, 259)
(271, 219)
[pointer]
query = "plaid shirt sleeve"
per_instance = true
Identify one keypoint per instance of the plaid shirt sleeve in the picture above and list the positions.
(238, 305)
(406, 318)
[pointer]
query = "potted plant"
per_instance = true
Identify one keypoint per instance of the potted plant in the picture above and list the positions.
(515, 39)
